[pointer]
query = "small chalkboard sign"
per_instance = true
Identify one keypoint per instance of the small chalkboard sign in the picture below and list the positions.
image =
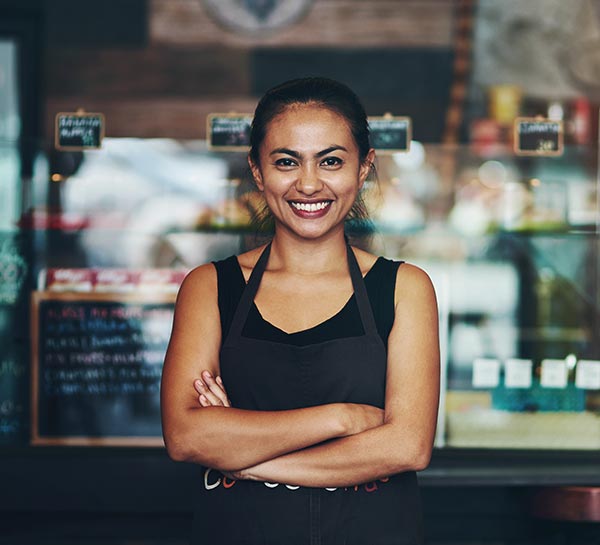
(538, 136)
(228, 132)
(390, 134)
(78, 131)
(97, 363)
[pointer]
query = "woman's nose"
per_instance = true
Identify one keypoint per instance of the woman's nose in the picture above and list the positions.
(308, 181)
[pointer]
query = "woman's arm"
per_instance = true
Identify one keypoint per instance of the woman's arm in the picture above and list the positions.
(229, 438)
(405, 440)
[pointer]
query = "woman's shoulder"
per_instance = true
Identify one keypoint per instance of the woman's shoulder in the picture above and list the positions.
(208, 272)
(409, 278)
(200, 279)
(412, 282)
(413, 274)
(197, 295)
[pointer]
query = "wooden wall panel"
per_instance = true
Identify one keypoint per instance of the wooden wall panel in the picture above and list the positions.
(191, 66)
(344, 23)
(153, 71)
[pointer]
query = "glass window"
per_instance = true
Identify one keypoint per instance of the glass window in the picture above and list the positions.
(9, 136)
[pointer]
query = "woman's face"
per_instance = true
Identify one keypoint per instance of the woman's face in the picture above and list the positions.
(309, 171)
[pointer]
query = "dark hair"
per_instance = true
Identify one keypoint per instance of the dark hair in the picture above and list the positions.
(325, 92)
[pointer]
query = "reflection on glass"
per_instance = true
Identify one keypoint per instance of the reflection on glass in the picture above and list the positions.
(9, 135)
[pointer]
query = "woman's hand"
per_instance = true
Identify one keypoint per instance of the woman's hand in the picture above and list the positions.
(211, 391)
(238, 475)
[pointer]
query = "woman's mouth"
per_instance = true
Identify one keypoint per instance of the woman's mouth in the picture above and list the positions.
(314, 209)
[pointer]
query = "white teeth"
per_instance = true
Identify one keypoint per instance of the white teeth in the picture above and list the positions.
(310, 207)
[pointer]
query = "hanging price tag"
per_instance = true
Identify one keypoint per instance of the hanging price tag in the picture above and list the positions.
(390, 134)
(228, 132)
(538, 136)
(78, 131)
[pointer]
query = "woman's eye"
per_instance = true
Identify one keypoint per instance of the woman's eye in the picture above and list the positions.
(331, 162)
(285, 162)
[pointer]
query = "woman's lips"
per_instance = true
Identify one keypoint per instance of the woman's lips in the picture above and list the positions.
(311, 210)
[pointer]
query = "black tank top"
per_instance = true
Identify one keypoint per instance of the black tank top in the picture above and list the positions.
(380, 282)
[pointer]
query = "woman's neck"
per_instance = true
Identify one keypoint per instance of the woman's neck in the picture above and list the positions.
(308, 257)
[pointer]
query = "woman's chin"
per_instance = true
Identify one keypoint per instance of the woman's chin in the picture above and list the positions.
(311, 232)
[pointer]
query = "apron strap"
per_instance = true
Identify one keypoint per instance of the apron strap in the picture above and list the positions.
(360, 293)
(247, 298)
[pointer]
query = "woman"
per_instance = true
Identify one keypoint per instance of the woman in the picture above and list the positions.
(315, 365)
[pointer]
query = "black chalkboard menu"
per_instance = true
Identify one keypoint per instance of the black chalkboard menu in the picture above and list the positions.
(97, 363)
(228, 132)
(390, 134)
(538, 136)
(78, 131)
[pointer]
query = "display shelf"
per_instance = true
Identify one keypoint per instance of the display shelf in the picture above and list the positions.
(513, 260)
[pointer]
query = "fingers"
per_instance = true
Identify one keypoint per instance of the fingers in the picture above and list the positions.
(206, 397)
(211, 392)
(204, 402)
(226, 402)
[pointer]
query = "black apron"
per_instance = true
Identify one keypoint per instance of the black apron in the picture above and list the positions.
(265, 375)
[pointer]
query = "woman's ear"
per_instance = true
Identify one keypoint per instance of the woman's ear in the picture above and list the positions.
(255, 173)
(366, 168)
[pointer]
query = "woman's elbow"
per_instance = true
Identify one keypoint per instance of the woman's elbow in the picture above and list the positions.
(176, 446)
(421, 454)
(190, 447)
(412, 457)
(180, 442)
(421, 459)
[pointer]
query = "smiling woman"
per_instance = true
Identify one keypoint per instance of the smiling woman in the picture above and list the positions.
(306, 362)
(313, 93)
(316, 174)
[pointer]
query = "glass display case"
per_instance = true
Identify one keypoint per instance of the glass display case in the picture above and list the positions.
(511, 244)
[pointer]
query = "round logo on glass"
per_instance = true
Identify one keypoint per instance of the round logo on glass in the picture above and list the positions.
(253, 16)
(13, 269)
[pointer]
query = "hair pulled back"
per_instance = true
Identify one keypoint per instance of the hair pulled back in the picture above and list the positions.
(325, 92)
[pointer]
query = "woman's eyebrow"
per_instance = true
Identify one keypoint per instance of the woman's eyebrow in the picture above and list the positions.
(286, 151)
(297, 155)
(329, 150)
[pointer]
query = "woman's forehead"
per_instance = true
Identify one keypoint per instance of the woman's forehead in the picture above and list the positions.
(308, 122)
(313, 108)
